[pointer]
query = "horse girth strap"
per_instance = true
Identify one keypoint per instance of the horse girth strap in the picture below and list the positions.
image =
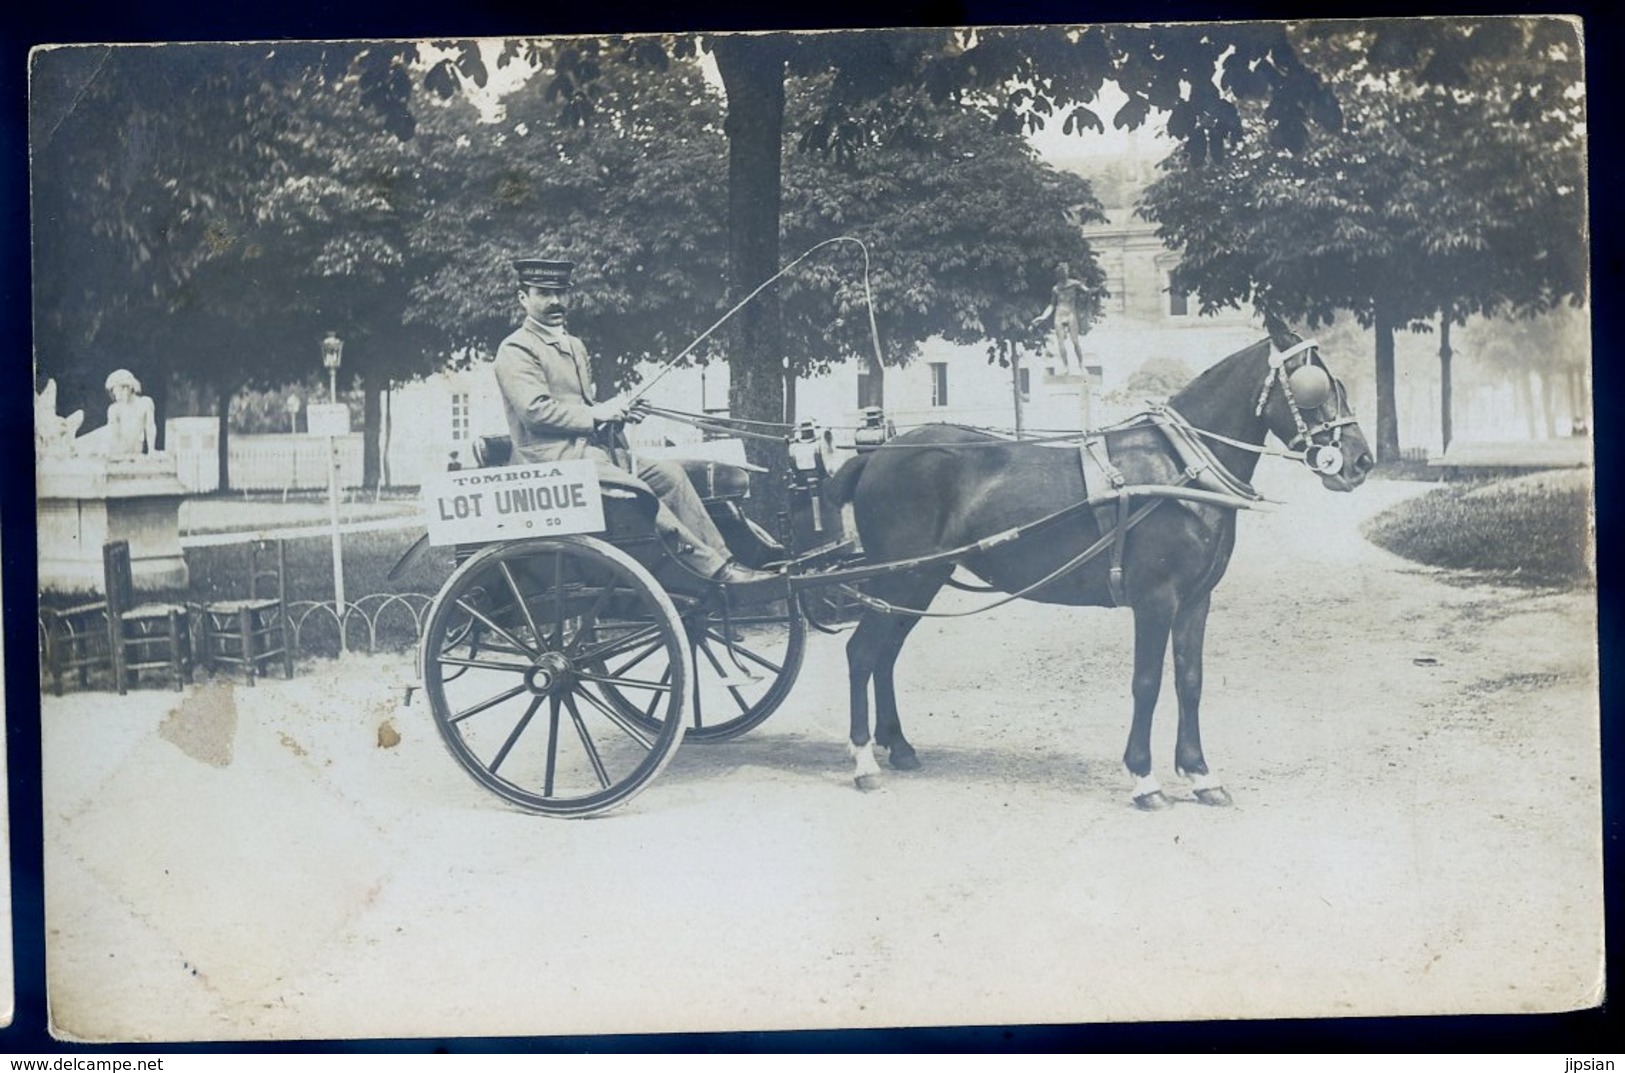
(1111, 516)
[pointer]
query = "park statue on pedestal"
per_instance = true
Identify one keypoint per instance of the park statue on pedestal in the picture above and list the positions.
(1069, 295)
(132, 427)
(109, 484)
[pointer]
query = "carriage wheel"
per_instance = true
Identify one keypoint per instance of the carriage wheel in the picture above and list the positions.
(527, 642)
(738, 685)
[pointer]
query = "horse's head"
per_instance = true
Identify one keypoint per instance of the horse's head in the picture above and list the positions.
(1307, 407)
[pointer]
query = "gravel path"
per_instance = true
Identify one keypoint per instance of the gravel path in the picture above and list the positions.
(1416, 830)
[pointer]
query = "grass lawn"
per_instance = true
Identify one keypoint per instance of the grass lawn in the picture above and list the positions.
(232, 513)
(221, 573)
(1535, 529)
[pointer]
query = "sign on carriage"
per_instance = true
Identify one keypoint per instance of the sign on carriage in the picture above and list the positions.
(474, 506)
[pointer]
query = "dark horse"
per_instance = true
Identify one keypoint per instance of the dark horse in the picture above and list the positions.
(942, 487)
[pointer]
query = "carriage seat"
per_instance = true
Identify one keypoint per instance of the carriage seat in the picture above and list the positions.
(714, 481)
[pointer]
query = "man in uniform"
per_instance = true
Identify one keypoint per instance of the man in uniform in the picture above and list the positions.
(546, 383)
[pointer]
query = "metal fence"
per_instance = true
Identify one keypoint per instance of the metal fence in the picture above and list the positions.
(377, 622)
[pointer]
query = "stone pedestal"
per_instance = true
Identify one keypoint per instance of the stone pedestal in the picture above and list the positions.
(86, 501)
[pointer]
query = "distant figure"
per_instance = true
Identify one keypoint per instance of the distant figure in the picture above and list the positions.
(132, 427)
(455, 463)
(1577, 427)
(1068, 298)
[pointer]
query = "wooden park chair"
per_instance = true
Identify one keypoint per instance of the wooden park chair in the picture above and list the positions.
(118, 633)
(251, 632)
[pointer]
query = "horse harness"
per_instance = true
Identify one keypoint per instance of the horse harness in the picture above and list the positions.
(1199, 468)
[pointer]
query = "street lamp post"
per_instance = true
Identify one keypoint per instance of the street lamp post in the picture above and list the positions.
(332, 354)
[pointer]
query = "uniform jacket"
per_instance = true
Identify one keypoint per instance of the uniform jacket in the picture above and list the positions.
(546, 383)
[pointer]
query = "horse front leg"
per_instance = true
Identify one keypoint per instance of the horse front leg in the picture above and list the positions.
(871, 655)
(1151, 627)
(1189, 634)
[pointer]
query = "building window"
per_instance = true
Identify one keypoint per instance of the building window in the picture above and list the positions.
(1178, 301)
(939, 383)
(864, 380)
(1024, 383)
(459, 417)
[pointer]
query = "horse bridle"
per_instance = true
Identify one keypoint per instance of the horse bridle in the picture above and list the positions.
(1329, 418)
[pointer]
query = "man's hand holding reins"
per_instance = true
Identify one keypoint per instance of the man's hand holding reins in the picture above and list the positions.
(622, 409)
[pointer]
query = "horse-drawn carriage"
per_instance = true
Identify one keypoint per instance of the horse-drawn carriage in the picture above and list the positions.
(563, 669)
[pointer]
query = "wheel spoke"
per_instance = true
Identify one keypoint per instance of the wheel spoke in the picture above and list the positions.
(654, 646)
(552, 745)
(716, 665)
(558, 603)
(618, 646)
(519, 597)
(617, 718)
(485, 664)
(504, 634)
(513, 738)
(489, 702)
(743, 651)
(589, 621)
(654, 700)
(624, 683)
(699, 705)
(586, 741)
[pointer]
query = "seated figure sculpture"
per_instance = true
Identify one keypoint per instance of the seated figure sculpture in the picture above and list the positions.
(132, 427)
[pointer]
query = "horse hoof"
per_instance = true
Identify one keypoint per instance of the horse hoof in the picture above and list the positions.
(903, 761)
(1155, 801)
(1217, 796)
(867, 782)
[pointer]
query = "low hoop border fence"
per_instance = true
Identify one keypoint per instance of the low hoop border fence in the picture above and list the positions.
(374, 623)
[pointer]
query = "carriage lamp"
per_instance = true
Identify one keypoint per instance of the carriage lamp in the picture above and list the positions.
(874, 431)
(332, 354)
(806, 454)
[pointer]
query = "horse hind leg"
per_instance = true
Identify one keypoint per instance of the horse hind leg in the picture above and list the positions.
(1189, 633)
(861, 653)
(872, 655)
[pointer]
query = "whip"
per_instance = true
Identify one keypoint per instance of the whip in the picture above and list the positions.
(868, 297)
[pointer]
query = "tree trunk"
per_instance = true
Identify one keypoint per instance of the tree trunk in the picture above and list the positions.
(1445, 354)
(1548, 404)
(389, 430)
(874, 393)
(752, 71)
(222, 409)
(1387, 445)
(1525, 398)
(1015, 388)
(371, 423)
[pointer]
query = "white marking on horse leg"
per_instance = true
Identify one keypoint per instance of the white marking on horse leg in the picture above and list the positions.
(866, 772)
(1146, 785)
(1209, 781)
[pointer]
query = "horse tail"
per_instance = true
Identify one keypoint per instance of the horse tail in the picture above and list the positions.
(844, 484)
